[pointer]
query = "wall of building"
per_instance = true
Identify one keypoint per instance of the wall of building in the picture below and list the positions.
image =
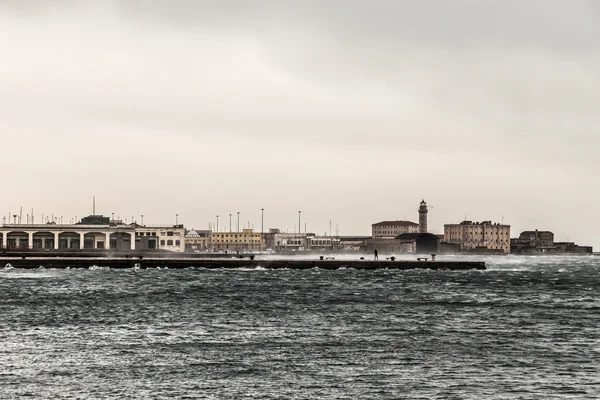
(471, 236)
(391, 230)
(247, 240)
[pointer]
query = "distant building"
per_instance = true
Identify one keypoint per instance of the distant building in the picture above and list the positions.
(406, 243)
(391, 229)
(572, 248)
(246, 240)
(93, 232)
(478, 236)
(542, 242)
(352, 243)
(533, 242)
(162, 237)
(322, 243)
(197, 240)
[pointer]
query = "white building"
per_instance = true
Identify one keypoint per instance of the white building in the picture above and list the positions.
(100, 233)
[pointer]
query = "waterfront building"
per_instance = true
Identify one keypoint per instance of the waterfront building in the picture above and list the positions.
(162, 237)
(542, 242)
(246, 240)
(93, 232)
(391, 229)
(533, 242)
(406, 243)
(197, 240)
(283, 241)
(470, 236)
(322, 243)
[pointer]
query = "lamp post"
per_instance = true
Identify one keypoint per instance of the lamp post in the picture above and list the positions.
(230, 223)
(217, 223)
(299, 230)
(262, 230)
(142, 219)
(238, 221)
(176, 219)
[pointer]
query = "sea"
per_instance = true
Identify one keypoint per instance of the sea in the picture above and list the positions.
(526, 328)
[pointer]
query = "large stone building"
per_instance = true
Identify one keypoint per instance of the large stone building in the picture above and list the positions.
(478, 236)
(392, 229)
(246, 240)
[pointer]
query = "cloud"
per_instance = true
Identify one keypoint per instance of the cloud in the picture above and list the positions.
(495, 94)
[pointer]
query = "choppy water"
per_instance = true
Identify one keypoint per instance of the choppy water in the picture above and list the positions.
(528, 328)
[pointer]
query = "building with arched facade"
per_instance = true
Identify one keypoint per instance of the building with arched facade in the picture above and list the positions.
(92, 233)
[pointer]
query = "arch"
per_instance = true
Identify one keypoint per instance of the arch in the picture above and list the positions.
(94, 240)
(69, 241)
(17, 240)
(43, 240)
(120, 240)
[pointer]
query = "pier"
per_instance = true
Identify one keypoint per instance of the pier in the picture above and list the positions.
(231, 263)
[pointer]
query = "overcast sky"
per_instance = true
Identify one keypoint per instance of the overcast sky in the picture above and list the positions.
(351, 111)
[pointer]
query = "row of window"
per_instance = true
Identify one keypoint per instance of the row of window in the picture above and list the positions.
(170, 243)
(169, 233)
(235, 236)
(240, 241)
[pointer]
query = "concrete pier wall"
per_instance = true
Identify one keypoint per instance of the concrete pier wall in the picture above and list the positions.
(178, 263)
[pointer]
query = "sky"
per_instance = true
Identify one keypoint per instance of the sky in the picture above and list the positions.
(348, 111)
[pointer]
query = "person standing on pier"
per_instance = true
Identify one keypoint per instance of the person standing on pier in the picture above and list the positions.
(376, 254)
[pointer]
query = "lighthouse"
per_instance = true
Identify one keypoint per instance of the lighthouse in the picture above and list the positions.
(423, 217)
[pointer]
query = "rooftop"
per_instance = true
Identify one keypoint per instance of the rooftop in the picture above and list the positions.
(395, 223)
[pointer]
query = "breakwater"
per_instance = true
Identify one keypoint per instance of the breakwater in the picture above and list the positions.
(231, 263)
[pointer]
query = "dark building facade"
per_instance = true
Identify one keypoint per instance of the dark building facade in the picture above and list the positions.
(542, 242)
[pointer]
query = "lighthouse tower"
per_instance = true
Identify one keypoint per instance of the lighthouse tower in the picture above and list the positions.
(423, 217)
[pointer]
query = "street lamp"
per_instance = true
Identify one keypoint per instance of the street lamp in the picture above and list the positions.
(176, 219)
(230, 223)
(238, 222)
(262, 223)
(142, 219)
(299, 213)
(217, 223)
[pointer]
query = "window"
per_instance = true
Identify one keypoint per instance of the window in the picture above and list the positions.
(169, 243)
(170, 233)
(177, 243)
(162, 242)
